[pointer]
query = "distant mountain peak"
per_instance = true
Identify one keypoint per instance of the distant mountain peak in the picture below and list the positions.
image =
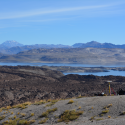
(93, 42)
(11, 43)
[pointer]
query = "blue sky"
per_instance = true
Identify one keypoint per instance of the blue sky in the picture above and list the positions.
(62, 22)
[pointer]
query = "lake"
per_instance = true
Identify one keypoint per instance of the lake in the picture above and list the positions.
(111, 72)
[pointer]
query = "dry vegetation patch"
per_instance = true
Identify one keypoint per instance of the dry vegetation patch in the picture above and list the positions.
(70, 101)
(45, 114)
(123, 113)
(52, 103)
(2, 117)
(70, 115)
(43, 121)
(105, 111)
(40, 102)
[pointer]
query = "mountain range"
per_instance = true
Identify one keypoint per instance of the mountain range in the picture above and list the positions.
(95, 44)
(84, 53)
(13, 47)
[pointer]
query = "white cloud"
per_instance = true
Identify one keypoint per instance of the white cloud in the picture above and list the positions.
(14, 15)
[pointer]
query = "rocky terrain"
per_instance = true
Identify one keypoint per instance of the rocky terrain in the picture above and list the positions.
(19, 84)
(105, 110)
(36, 95)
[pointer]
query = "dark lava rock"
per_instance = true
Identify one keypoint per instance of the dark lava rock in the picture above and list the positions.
(19, 84)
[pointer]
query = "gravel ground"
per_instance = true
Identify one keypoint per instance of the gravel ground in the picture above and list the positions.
(92, 107)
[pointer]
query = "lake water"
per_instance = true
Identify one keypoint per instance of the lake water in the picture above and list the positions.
(59, 64)
(111, 72)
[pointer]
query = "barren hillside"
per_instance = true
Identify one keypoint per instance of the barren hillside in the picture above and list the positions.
(69, 55)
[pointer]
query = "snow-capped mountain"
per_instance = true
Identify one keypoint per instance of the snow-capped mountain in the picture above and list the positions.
(10, 43)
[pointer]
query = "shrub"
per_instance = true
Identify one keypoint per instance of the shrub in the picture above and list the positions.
(14, 117)
(51, 110)
(32, 121)
(22, 106)
(79, 96)
(56, 116)
(27, 103)
(13, 122)
(23, 122)
(99, 119)
(104, 95)
(2, 117)
(79, 107)
(45, 114)
(43, 121)
(1, 109)
(10, 118)
(32, 114)
(40, 102)
(8, 107)
(14, 106)
(109, 116)
(10, 122)
(70, 101)
(69, 115)
(92, 118)
(106, 107)
(49, 100)
(48, 105)
(109, 105)
(23, 114)
(52, 103)
(5, 122)
(37, 103)
(123, 113)
(105, 111)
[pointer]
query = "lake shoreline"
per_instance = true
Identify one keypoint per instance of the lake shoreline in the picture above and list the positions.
(81, 69)
(68, 69)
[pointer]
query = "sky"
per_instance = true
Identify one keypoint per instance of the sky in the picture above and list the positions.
(62, 21)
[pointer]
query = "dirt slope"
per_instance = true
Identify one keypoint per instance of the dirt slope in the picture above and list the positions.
(93, 111)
